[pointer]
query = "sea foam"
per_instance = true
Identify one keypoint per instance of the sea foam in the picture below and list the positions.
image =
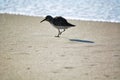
(94, 10)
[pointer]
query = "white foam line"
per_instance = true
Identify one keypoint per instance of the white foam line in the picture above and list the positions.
(72, 18)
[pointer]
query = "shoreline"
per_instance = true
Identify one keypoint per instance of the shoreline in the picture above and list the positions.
(65, 17)
(29, 50)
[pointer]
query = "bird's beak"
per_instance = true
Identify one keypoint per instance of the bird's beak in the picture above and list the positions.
(43, 20)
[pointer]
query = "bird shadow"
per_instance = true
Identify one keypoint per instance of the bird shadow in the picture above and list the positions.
(83, 41)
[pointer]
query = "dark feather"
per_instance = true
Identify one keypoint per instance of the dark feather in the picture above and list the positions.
(60, 21)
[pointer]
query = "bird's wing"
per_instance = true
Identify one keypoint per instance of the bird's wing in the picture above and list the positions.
(60, 21)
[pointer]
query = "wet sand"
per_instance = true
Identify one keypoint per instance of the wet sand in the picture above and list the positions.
(29, 50)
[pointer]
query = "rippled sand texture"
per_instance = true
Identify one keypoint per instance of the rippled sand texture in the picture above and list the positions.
(29, 50)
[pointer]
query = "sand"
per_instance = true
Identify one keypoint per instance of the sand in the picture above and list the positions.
(29, 50)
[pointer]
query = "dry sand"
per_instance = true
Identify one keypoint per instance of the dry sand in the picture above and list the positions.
(29, 50)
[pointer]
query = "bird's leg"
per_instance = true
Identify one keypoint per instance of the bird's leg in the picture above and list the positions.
(62, 31)
(58, 33)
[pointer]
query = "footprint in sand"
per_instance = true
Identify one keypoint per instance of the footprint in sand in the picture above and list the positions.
(68, 67)
(28, 68)
(55, 72)
(106, 75)
(29, 46)
(62, 55)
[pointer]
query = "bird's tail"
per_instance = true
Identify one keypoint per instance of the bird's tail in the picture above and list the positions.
(73, 25)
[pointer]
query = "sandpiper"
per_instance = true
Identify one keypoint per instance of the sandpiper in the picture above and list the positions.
(59, 23)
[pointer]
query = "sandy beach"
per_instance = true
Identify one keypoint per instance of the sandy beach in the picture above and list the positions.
(29, 50)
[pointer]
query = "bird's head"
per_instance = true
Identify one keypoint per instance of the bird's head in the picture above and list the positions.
(47, 18)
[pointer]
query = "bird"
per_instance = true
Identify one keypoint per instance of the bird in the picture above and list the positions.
(59, 23)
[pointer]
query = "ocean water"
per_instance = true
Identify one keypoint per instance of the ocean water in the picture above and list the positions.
(94, 10)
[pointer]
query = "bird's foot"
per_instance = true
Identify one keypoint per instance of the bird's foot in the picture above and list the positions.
(57, 36)
(60, 33)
